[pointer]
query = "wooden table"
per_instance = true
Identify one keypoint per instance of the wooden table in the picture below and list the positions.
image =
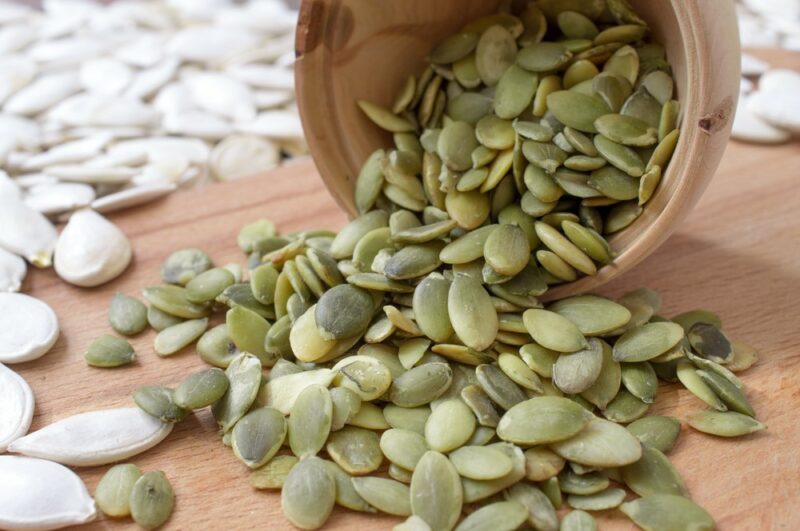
(738, 253)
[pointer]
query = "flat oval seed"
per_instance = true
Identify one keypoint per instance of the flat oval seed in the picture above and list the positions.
(500, 388)
(387, 495)
(600, 501)
(244, 375)
(127, 315)
(368, 379)
(172, 300)
(575, 372)
(480, 462)
(553, 331)
(542, 463)
(430, 308)
(625, 408)
(542, 420)
(182, 266)
(345, 242)
(309, 493)
(113, 493)
(421, 385)
(310, 421)
(507, 250)
(176, 337)
(732, 395)
(602, 444)
(216, 348)
(403, 447)
(647, 342)
(498, 516)
(620, 156)
(565, 249)
(657, 432)
(514, 92)
(258, 436)
(201, 389)
(541, 513)
(385, 119)
(346, 495)
(494, 53)
(667, 511)
(453, 48)
(468, 209)
(543, 56)
(208, 285)
(159, 320)
(576, 110)
(592, 314)
(724, 424)
(449, 426)
(472, 313)
(109, 351)
(248, 331)
(626, 130)
(158, 401)
(519, 372)
(578, 521)
(653, 474)
(709, 342)
(407, 418)
(436, 493)
(455, 145)
(273, 475)
(691, 380)
(152, 500)
(356, 450)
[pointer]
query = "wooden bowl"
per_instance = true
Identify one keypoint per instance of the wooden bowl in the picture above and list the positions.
(364, 49)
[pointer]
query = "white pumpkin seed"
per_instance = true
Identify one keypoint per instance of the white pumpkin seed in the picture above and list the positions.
(17, 412)
(28, 328)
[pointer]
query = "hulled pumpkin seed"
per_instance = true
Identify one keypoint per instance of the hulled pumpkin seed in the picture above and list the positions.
(273, 475)
(159, 402)
(356, 450)
(494, 53)
(542, 463)
(607, 384)
(386, 495)
(182, 266)
(503, 515)
(216, 348)
(208, 285)
(581, 484)
(500, 388)
(601, 443)
(421, 385)
(176, 337)
(575, 372)
(724, 424)
(731, 395)
(471, 312)
(127, 316)
(480, 462)
(641, 380)
(667, 511)
(113, 493)
(152, 500)
(541, 513)
(600, 501)
(653, 474)
(308, 494)
(172, 300)
(691, 380)
(258, 435)
(109, 351)
(578, 521)
(435, 492)
(310, 421)
(657, 432)
(625, 408)
(542, 420)
(346, 494)
(553, 331)
(201, 389)
(710, 342)
(244, 375)
(647, 341)
(449, 426)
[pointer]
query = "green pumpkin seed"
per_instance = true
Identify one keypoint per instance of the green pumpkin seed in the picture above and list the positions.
(309, 493)
(556, 267)
(494, 53)
(273, 475)
(366, 377)
(435, 492)
(667, 511)
(310, 421)
(607, 384)
(258, 435)
(643, 106)
(506, 250)
(324, 266)
(744, 356)
(455, 145)
(449, 426)
(613, 89)
(386, 495)
(242, 295)
(345, 242)
(647, 341)
(576, 110)
(648, 183)
(553, 331)
(657, 432)
(127, 316)
(182, 266)
(600, 501)
(453, 48)
(500, 388)
(345, 404)
(494, 133)
(583, 484)
(543, 56)
(731, 395)
(468, 247)
(384, 118)
(621, 215)
(113, 492)
(244, 375)
(403, 447)
(109, 351)
(602, 444)
(688, 319)
(709, 342)
(159, 320)
(469, 107)
(542, 420)
(208, 285)
(407, 418)
(542, 185)
(592, 314)
(625, 408)
(653, 474)
(172, 300)
(413, 261)
(574, 25)
(369, 417)
(620, 156)
(343, 311)
(346, 495)
(216, 348)
(158, 402)
(668, 122)
(514, 92)
(541, 513)
(251, 234)
(691, 380)
(614, 184)
(481, 405)
(369, 181)
(471, 312)
(641, 380)
(411, 351)
(480, 462)
(724, 424)
(539, 359)
(544, 155)
(552, 491)
(201, 389)
(421, 385)
(425, 233)
(584, 163)
(504, 515)
(542, 463)
(356, 450)
(578, 521)
(468, 209)
(152, 500)
(576, 372)
(177, 337)
(565, 249)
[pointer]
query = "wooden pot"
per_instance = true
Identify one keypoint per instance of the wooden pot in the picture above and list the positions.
(365, 49)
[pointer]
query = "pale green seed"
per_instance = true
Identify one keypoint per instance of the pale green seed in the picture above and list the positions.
(176, 337)
(506, 250)
(575, 372)
(247, 330)
(733, 397)
(600, 501)
(403, 447)
(691, 380)
(494, 133)
(480, 462)
(667, 511)
(547, 156)
(514, 92)
(369, 182)
(653, 474)
(386, 495)
(127, 316)
(553, 331)
(551, 489)
(182, 266)
(159, 320)
(208, 285)
(543, 56)
(643, 106)
(346, 495)
(625, 408)
(648, 184)
(453, 48)
(539, 359)
(469, 107)
(602, 444)
(469, 209)
(369, 417)
(258, 436)
(724, 424)
(494, 53)
(688, 319)
(343, 311)
(500, 388)
(242, 295)
(411, 351)
(252, 233)
(657, 432)
(541, 513)
(356, 450)
(113, 492)
(607, 384)
(384, 118)
(324, 266)
(367, 377)
(152, 500)
(670, 115)
(449, 426)
(201, 389)
(244, 375)
(578, 521)
(592, 314)
(621, 215)
(744, 356)
(467, 248)
(614, 184)
(641, 380)
(455, 145)
(408, 418)
(565, 249)
(159, 402)
(542, 463)
(109, 351)
(345, 242)
(435, 492)
(308, 494)
(542, 420)
(273, 475)
(498, 516)
(216, 348)
(620, 156)
(575, 25)
(582, 484)
(471, 312)
(172, 300)
(519, 372)
(647, 341)
(413, 261)
(310, 421)
(625, 61)
(345, 404)
(576, 110)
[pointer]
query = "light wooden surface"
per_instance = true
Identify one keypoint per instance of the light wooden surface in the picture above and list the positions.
(737, 253)
(343, 43)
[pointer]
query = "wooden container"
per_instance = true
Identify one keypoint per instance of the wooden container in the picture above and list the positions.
(365, 49)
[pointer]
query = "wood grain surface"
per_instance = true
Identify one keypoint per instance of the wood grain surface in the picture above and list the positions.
(738, 253)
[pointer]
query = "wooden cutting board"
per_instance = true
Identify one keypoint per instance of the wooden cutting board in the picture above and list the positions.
(738, 253)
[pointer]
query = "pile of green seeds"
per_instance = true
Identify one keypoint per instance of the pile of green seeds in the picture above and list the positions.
(405, 365)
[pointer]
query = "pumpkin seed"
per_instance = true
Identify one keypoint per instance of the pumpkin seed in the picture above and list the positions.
(575, 372)
(710, 342)
(657, 432)
(503, 515)
(576, 110)
(553, 331)
(244, 375)
(435, 491)
(251, 234)
(387, 495)
(545, 155)
(494, 53)
(541, 513)
(620, 156)
(356, 450)
(724, 424)
(384, 118)
(449, 426)
(481, 405)
(158, 402)
(127, 315)
(691, 380)
(172, 300)
(421, 385)
(506, 250)
(543, 57)
(607, 384)
(471, 312)
(453, 48)
(412, 419)
(273, 475)
(592, 314)
(600, 501)
(159, 320)
(539, 359)
(113, 493)
(653, 474)
(519, 372)
(542, 463)
(667, 511)
(480, 462)
(647, 342)
(744, 356)
(582, 484)
(182, 266)
(310, 421)
(542, 420)
(625, 408)
(500, 388)
(201, 389)
(308, 494)
(346, 494)
(216, 348)
(369, 417)
(731, 395)
(688, 319)
(258, 436)
(514, 92)
(152, 500)
(242, 295)
(578, 521)
(109, 351)
(641, 380)
(209, 284)
(601, 443)
(177, 337)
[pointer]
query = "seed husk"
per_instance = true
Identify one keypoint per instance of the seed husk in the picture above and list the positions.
(152, 500)
(724, 424)
(601, 443)
(657, 432)
(435, 492)
(653, 474)
(177, 337)
(113, 493)
(258, 436)
(667, 511)
(471, 312)
(310, 421)
(553, 331)
(542, 420)
(109, 351)
(308, 494)
(356, 450)
(127, 316)
(201, 389)
(273, 475)
(647, 342)
(158, 401)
